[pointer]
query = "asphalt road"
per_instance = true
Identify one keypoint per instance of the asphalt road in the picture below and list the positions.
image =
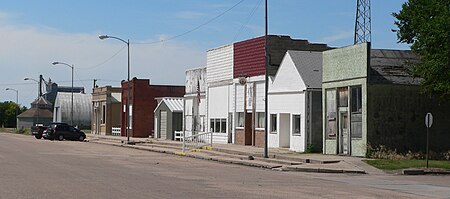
(31, 168)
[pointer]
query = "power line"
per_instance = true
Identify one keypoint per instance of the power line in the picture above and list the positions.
(104, 62)
(171, 38)
(64, 81)
(248, 19)
(17, 84)
(82, 82)
(194, 29)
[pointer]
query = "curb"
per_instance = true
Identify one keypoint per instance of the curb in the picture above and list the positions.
(322, 170)
(252, 163)
(423, 172)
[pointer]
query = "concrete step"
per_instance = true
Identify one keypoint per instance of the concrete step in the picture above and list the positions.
(277, 156)
(159, 145)
(218, 158)
(307, 160)
(167, 143)
(250, 157)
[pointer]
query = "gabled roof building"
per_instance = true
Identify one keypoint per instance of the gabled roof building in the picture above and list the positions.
(295, 102)
(39, 113)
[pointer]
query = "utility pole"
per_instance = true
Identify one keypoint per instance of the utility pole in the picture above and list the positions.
(266, 106)
(95, 84)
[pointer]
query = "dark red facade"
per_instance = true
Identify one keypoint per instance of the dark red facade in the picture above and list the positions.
(249, 58)
(142, 100)
(249, 55)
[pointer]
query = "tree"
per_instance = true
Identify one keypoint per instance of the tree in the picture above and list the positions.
(425, 24)
(8, 113)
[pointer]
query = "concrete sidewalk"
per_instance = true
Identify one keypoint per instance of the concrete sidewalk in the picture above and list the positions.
(279, 159)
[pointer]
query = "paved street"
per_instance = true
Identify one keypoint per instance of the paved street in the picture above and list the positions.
(31, 168)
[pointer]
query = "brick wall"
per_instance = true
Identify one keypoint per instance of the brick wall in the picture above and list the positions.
(142, 98)
(259, 138)
(240, 137)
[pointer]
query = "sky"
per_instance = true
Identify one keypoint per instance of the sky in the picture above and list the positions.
(167, 36)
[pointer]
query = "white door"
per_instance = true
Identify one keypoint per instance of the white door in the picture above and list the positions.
(344, 136)
(285, 133)
(163, 125)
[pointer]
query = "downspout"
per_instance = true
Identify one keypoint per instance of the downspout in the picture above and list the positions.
(233, 126)
(245, 112)
(184, 122)
(310, 107)
(253, 114)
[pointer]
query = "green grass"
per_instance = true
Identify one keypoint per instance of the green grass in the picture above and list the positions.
(25, 131)
(404, 164)
(8, 130)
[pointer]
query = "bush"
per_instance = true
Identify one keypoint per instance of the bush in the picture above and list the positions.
(312, 149)
(24, 131)
(382, 152)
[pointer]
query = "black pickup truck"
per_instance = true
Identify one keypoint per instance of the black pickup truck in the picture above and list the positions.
(37, 131)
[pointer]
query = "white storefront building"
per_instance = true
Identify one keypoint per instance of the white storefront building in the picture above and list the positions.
(295, 102)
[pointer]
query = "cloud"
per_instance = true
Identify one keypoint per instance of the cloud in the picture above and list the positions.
(189, 15)
(28, 51)
(337, 37)
(6, 16)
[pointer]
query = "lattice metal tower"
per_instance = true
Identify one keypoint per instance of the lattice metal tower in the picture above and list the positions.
(363, 22)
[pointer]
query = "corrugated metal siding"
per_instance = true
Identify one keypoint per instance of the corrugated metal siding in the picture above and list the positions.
(219, 63)
(174, 104)
(82, 107)
(249, 58)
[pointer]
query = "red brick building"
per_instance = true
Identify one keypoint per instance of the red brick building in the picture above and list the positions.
(143, 103)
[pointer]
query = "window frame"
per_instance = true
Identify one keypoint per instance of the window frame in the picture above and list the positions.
(356, 104)
(258, 120)
(217, 125)
(103, 119)
(223, 125)
(342, 93)
(240, 119)
(294, 132)
(274, 123)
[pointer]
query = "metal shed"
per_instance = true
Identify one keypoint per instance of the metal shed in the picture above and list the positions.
(82, 108)
(39, 113)
(168, 117)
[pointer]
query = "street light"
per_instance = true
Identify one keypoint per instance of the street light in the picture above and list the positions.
(31, 79)
(17, 101)
(127, 120)
(71, 102)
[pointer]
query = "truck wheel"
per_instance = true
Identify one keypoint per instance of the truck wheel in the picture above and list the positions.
(81, 138)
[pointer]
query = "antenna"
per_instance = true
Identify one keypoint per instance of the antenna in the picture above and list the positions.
(363, 22)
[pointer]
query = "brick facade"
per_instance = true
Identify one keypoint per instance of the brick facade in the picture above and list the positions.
(142, 100)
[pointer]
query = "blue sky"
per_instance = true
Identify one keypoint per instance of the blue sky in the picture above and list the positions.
(36, 33)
